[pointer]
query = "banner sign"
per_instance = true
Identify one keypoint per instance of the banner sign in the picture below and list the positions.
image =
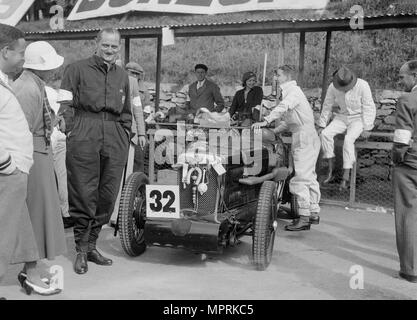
(12, 11)
(85, 9)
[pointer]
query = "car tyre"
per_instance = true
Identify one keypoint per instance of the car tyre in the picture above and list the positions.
(263, 231)
(132, 210)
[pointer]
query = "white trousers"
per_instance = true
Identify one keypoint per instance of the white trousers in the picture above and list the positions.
(129, 170)
(353, 127)
(305, 150)
(59, 149)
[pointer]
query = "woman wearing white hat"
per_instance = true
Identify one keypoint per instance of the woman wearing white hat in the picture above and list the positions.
(41, 60)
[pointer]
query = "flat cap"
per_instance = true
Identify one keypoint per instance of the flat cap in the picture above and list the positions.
(134, 67)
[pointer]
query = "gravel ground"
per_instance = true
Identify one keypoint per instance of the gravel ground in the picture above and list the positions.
(318, 264)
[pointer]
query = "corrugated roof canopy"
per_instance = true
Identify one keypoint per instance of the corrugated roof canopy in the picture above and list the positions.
(404, 20)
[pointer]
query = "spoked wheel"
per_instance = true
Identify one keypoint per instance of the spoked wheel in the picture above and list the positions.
(265, 226)
(132, 212)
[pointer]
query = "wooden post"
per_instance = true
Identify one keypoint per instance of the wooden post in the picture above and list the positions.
(151, 157)
(326, 67)
(264, 73)
(301, 59)
(353, 173)
(281, 50)
(158, 71)
(281, 56)
(32, 12)
(36, 10)
(127, 50)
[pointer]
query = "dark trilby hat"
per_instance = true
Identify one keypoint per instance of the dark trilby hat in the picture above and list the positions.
(344, 79)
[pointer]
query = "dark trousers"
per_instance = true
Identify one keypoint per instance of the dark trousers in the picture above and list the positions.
(139, 162)
(405, 203)
(97, 152)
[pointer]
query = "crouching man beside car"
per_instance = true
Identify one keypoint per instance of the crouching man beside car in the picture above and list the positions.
(297, 117)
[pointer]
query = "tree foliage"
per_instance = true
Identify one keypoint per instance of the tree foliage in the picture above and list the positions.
(375, 55)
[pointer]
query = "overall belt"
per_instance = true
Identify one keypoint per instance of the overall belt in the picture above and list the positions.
(102, 115)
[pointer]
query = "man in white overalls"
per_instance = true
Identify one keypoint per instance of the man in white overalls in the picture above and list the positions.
(297, 116)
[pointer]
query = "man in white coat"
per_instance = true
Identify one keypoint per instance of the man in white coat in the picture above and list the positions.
(297, 116)
(59, 150)
(357, 113)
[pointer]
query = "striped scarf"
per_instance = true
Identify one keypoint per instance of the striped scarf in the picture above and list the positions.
(48, 115)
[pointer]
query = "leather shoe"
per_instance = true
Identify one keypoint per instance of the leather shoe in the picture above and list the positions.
(314, 218)
(408, 277)
(330, 177)
(30, 288)
(96, 257)
(80, 265)
(303, 223)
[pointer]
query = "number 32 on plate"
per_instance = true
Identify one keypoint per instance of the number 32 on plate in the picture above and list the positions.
(163, 201)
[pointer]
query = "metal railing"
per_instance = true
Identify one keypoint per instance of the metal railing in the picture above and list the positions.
(370, 179)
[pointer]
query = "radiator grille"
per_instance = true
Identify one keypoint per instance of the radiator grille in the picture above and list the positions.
(207, 201)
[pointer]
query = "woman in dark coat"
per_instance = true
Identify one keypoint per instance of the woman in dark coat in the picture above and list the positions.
(246, 99)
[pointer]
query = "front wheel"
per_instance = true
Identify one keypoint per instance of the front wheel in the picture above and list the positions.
(265, 226)
(132, 211)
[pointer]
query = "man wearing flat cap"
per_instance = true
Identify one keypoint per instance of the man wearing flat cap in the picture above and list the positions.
(357, 114)
(135, 70)
(204, 93)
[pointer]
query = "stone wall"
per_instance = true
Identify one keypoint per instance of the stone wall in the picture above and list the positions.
(385, 101)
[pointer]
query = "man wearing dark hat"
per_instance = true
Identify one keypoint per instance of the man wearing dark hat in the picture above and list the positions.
(357, 113)
(405, 172)
(204, 93)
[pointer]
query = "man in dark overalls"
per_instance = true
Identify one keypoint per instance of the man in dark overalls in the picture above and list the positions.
(405, 173)
(97, 114)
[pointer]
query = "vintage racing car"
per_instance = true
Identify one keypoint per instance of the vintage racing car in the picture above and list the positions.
(202, 199)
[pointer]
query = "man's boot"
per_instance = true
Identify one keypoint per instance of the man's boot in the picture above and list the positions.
(300, 224)
(80, 265)
(314, 218)
(344, 185)
(329, 176)
(97, 258)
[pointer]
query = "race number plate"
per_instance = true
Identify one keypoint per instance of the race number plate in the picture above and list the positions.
(163, 201)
